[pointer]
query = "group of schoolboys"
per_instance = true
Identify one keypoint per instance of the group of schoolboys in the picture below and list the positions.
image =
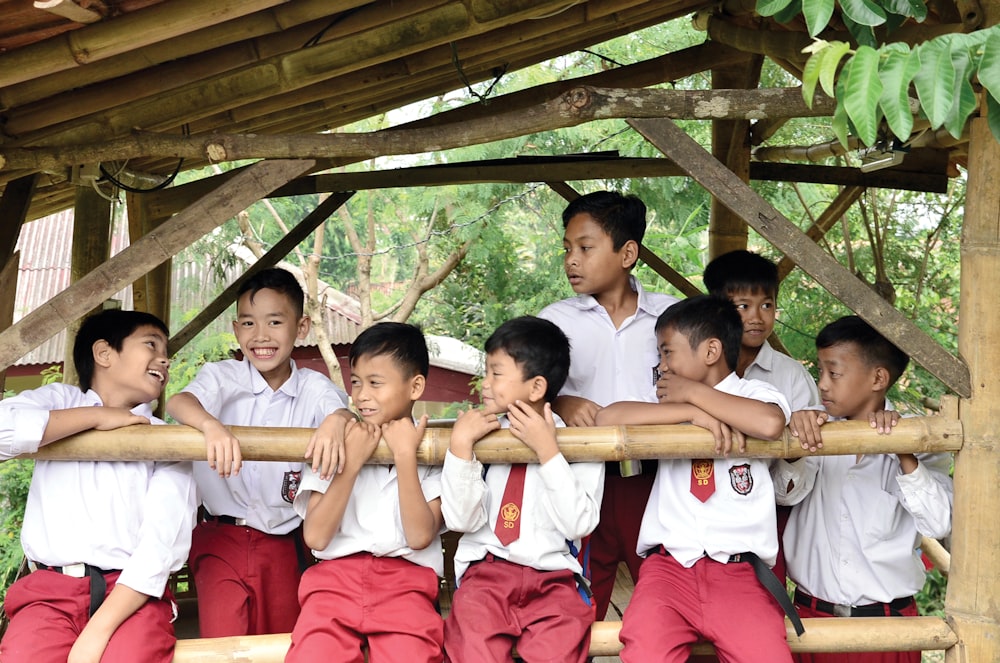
(102, 536)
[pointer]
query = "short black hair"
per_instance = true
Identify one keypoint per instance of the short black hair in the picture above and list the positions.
(621, 217)
(741, 271)
(703, 317)
(113, 326)
(875, 349)
(538, 347)
(279, 280)
(403, 342)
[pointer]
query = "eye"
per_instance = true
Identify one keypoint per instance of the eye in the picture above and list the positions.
(767, 306)
(742, 307)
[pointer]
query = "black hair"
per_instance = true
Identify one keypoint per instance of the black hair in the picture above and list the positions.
(279, 280)
(741, 270)
(621, 217)
(113, 326)
(538, 347)
(404, 343)
(875, 349)
(703, 317)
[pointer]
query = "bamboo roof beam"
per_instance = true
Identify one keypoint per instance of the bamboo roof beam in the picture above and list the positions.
(68, 9)
(833, 212)
(601, 443)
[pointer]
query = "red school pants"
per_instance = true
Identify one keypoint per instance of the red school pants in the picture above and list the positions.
(384, 602)
(673, 607)
(858, 657)
(500, 604)
(246, 580)
(48, 610)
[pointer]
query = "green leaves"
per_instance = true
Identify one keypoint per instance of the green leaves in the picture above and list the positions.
(817, 14)
(862, 91)
(896, 72)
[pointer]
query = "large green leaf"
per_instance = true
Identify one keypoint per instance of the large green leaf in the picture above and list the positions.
(993, 115)
(862, 92)
(771, 7)
(989, 63)
(840, 119)
(863, 34)
(935, 79)
(896, 71)
(963, 96)
(790, 12)
(909, 8)
(835, 52)
(817, 14)
(863, 12)
(810, 76)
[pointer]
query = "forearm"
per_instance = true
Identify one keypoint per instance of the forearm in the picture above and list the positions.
(119, 605)
(420, 523)
(63, 423)
(752, 417)
(638, 413)
(187, 410)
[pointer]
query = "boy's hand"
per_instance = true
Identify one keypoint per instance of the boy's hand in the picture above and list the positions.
(88, 648)
(805, 425)
(577, 411)
(470, 427)
(673, 388)
(883, 421)
(537, 431)
(403, 437)
(724, 434)
(118, 417)
(326, 446)
(360, 440)
(223, 448)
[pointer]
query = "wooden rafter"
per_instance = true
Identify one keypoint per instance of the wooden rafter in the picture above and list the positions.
(13, 211)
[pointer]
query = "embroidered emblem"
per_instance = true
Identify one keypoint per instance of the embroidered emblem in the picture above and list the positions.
(290, 486)
(741, 479)
(509, 513)
(702, 470)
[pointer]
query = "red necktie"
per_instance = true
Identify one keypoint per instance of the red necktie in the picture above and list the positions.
(702, 478)
(508, 526)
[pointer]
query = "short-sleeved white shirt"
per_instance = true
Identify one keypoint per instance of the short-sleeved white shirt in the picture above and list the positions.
(235, 393)
(136, 516)
(789, 376)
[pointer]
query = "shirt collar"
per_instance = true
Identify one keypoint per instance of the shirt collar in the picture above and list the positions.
(587, 302)
(258, 384)
(764, 358)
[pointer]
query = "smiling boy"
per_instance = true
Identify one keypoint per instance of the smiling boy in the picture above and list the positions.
(101, 537)
(375, 529)
(516, 565)
(246, 555)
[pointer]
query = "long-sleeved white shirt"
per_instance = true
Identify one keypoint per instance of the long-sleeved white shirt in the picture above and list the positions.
(789, 376)
(136, 516)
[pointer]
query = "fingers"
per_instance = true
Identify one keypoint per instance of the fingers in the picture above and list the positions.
(741, 441)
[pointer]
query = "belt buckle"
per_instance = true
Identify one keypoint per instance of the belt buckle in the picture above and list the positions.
(841, 610)
(75, 570)
(240, 522)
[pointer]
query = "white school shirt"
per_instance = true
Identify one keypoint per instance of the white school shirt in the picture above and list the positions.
(789, 376)
(135, 516)
(608, 365)
(855, 527)
(235, 393)
(739, 517)
(372, 522)
(561, 504)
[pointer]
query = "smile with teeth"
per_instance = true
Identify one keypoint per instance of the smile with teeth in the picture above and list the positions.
(264, 353)
(159, 375)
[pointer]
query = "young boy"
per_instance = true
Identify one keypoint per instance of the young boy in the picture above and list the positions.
(708, 532)
(375, 529)
(101, 537)
(852, 536)
(516, 562)
(246, 554)
(610, 328)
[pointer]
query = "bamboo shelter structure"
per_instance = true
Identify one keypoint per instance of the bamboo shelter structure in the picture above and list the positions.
(144, 88)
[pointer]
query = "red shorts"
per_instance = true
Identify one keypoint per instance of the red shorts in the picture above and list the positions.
(500, 604)
(858, 657)
(246, 580)
(386, 603)
(48, 610)
(673, 607)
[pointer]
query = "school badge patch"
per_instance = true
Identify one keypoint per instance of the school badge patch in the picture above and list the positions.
(290, 486)
(741, 479)
(509, 513)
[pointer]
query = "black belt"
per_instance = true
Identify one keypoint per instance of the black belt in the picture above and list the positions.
(891, 609)
(765, 577)
(98, 585)
(225, 520)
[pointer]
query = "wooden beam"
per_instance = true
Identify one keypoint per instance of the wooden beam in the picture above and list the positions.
(599, 443)
(13, 211)
(69, 10)
(833, 212)
(8, 288)
(269, 259)
(235, 195)
(843, 176)
(783, 234)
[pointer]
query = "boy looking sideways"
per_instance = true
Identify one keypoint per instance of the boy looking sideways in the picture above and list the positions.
(246, 554)
(708, 533)
(853, 533)
(613, 349)
(101, 537)
(375, 529)
(516, 563)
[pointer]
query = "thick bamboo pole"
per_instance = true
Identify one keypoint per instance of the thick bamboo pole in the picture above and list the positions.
(822, 635)
(912, 435)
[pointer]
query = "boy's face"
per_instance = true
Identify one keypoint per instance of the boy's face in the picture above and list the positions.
(591, 263)
(381, 391)
(504, 383)
(678, 357)
(848, 386)
(266, 329)
(135, 374)
(757, 309)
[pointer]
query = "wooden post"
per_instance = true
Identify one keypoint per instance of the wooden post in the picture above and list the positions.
(8, 287)
(973, 600)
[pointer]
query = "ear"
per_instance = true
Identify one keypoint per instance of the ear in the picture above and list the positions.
(629, 253)
(103, 353)
(539, 386)
(417, 384)
(712, 351)
(880, 379)
(305, 324)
